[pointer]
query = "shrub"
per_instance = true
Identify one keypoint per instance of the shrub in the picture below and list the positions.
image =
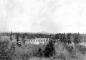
(82, 49)
(4, 50)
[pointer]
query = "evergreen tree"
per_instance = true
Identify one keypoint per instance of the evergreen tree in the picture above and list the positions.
(49, 49)
(76, 38)
(68, 38)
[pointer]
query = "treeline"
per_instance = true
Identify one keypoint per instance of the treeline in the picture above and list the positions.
(69, 37)
(64, 37)
(32, 35)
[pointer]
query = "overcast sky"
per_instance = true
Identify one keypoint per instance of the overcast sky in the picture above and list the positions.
(56, 16)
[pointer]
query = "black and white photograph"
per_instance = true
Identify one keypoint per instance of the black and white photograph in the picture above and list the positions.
(42, 29)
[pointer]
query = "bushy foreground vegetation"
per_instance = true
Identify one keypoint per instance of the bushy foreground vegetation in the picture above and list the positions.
(23, 53)
(58, 48)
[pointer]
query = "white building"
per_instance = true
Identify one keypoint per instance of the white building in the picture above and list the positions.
(37, 41)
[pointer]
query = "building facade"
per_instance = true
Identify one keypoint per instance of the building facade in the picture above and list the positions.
(37, 41)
